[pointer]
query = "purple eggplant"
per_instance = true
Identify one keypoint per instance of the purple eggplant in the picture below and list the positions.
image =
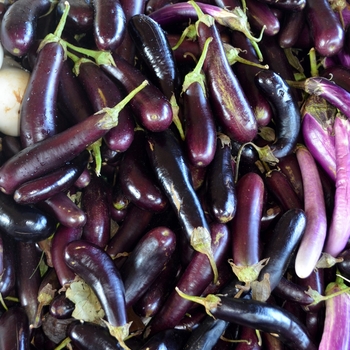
(145, 263)
(314, 237)
(98, 270)
(335, 332)
(18, 27)
(109, 24)
(339, 229)
(259, 315)
(286, 111)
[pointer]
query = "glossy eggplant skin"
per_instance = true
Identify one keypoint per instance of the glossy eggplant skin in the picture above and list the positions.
(154, 49)
(8, 274)
(14, 329)
(221, 189)
(24, 223)
(265, 317)
(170, 166)
(146, 261)
(282, 245)
(90, 335)
(286, 111)
(109, 24)
(18, 27)
(98, 270)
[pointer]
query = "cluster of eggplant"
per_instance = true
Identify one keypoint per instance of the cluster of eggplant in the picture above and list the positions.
(155, 171)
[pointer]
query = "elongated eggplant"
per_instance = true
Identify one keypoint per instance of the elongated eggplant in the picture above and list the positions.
(221, 189)
(326, 29)
(14, 329)
(51, 153)
(314, 237)
(153, 47)
(193, 280)
(339, 230)
(229, 103)
(146, 261)
(286, 111)
(137, 182)
(259, 315)
(18, 27)
(282, 245)
(47, 186)
(280, 188)
(98, 270)
(109, 24)
(245, 227)
(130, 231)
(170, 166)
(199, 120)
(24, 222)
(156, 114)
(335, 331)
(64, 210)
(62, 237)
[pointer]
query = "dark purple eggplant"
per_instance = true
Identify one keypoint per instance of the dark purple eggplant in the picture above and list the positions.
(51, 153)
(228, 100)
(98, 270)
(145, 263)
(291, 28)
(221, 189)
(87, 335)
(103, 92)
(61, 307)
(24, 223)
(259, 315)
(62, 237)
(344, 266)
(170, 166)
(80, 17)
(14, 329)
(246, 74)
(281, 189)
(130, 231)
(260, 14)
(64, 210)
(282, 245)
(199, 120)
(94, 202)
(18, 27)
(194, 279)
(245, 227)
(48, 185)
(154, 49)
(286, 111)
(126, 48)
(38, 109)
(109, 24)
(28, 279)
(8, 274)
(326, 30)
(137, 182)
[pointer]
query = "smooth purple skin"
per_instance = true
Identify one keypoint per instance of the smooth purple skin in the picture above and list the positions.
(312, 242)
(326, 30)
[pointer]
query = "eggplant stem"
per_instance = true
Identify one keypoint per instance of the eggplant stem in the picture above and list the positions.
(63, 344)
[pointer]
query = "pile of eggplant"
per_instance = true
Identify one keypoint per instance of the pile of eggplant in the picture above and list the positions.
(174, 174)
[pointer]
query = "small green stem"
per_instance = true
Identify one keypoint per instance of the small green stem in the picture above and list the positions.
(63, 344)
(196, 75)
(313, 62)
(2, 302)
(100, 57)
